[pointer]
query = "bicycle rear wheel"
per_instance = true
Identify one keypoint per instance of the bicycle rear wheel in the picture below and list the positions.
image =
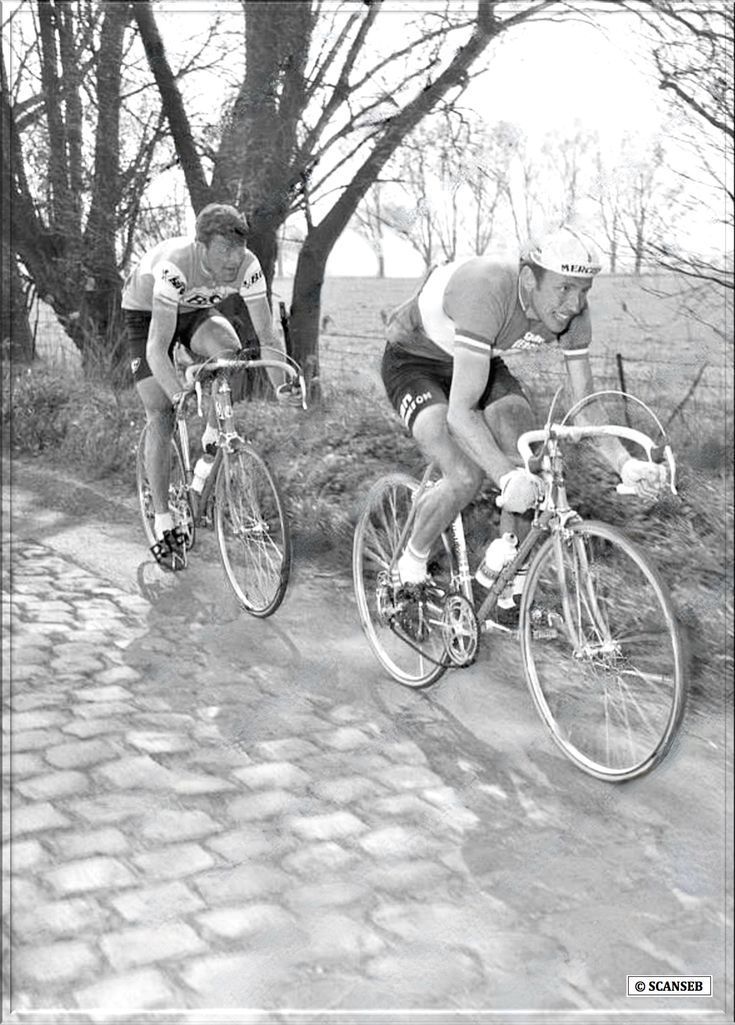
(405, 634)
(602, 651)
(252, 531)
(178, 495)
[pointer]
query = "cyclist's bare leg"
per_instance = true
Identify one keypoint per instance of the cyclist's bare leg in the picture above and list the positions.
(507, 418)
(160, 418)
(461, 477)
(215, 337)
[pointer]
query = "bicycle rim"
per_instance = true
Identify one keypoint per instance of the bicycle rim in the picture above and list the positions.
(178, 495)
(602, 652)
(252, 532)
(393, 638)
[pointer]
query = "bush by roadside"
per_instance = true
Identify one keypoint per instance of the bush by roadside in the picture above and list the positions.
(328, 457)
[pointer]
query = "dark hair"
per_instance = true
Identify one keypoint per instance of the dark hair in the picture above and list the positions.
(220, 219)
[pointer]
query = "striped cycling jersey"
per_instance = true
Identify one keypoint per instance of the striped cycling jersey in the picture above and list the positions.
(173, 273)
(475, 304)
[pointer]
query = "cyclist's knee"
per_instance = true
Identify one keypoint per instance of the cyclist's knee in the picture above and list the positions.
(465, 480)
(215, 337)
(508, 417)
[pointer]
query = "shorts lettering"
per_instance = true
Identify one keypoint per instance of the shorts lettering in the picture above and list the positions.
(409, 405)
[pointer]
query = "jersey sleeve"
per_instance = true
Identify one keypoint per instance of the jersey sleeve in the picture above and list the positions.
(478, 313)
(253, 283)
(576, 340)
(169, 283)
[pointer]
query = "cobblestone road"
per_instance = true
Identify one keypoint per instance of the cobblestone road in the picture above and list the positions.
(155, 862)
(204, 811)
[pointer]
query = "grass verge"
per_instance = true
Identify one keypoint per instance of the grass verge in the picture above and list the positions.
(327, 459)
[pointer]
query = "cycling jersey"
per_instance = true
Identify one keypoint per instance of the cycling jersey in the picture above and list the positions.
(173, 273)
(476, 304)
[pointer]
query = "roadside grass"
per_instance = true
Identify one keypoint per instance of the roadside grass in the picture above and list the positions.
(328, 457)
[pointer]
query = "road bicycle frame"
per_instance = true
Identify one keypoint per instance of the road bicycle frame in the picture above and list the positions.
(221, 395)
(552, 513)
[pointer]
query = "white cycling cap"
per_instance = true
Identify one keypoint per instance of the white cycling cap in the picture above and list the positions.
(567, 252)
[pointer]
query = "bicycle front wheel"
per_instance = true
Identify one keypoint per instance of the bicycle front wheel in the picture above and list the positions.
(602, 651)
(252, 531)
(178, 495)
(405, 635)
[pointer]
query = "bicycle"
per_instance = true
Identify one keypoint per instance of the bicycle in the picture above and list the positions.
(241, 495)
(600, 644)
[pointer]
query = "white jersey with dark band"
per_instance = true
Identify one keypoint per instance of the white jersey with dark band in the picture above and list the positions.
(173, 273)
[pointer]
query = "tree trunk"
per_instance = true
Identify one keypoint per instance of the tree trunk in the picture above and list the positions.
(199, 191)
(15, 331)
(305, 309)
(322, 237)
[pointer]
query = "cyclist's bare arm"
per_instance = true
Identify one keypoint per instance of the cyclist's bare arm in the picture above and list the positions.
(160, 333)
(466, 422)
(261, 317)
(582, 385)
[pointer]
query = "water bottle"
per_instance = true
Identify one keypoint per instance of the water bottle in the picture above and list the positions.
(202, 471)
(498, 553)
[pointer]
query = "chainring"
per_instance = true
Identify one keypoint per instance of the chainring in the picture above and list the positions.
(461, 630)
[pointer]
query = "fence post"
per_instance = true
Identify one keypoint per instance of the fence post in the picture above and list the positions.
(624, 390)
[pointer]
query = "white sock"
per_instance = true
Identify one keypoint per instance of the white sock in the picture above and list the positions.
(412, 565)
(161, 523)
(209, 436)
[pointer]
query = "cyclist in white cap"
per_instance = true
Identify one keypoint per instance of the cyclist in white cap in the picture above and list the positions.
(444, 375)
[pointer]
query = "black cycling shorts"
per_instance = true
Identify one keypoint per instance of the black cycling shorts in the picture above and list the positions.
(415, 382)
(137, 323)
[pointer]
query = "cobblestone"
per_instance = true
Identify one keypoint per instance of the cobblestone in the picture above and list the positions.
(81, 753)
(90, 874)
(55, 962)
(148, 986)
(147, 945)
(71, 917)
(273, 775)
(247, 882)
(253, 918)
(160, 864)
(168, 825)
(264, 805)
(174, 862)
(334, 826)
(55, 784)
(162, 903)
(34, 818)
(81, 845)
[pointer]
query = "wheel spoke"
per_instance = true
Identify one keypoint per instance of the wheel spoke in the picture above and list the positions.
(614, 696)
(405, 633)
(252, 531)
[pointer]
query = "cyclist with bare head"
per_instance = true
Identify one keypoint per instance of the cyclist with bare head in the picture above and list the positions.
(444, 375)
(173, 295)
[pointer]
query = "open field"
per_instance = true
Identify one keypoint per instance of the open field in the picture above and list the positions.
(663, 348)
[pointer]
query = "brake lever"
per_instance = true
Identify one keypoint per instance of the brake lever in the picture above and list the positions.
(198, 390)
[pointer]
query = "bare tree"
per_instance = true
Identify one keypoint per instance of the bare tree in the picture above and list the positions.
(692, 48)
(369, 222)
(303, 121)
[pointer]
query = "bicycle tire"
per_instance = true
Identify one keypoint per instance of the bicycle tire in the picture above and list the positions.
(178, 493)
(252, 531)
(602, 651)
(377, 532)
